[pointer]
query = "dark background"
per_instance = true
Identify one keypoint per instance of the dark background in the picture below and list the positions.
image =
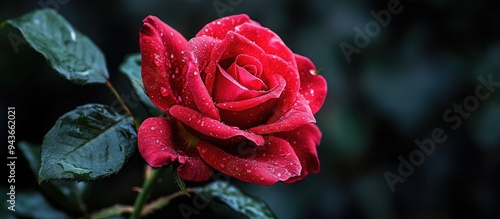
(397, 90)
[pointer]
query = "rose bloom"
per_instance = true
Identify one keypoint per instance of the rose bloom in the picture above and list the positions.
(238, 101)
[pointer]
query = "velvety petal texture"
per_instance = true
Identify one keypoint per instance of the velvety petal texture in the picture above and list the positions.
(237, 100)
(161, 52)
(159, 145)
(266, 165)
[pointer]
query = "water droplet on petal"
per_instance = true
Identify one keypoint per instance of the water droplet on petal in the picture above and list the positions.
(249, 171)
(158, 60)
(313, 72)
(153, 128)
(163, 91)
(222, 165)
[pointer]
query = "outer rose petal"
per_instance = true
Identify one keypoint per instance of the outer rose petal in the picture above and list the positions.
(268, 41)
(312, 86)
(299, 115)
(159, 147)
(266, 165)
(219, 28)
(304, 142)
(161, 48)
(210, 127)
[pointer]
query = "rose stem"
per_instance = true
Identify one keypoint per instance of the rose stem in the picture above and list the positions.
(146, 188)
(124, 106)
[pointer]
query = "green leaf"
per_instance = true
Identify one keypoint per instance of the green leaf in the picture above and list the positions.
(67, 194)
(32, 204)
(70, 53)
(235, 199)
(131, 67)
(91, 142)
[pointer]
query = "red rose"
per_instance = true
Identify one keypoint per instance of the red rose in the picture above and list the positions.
(240, 102)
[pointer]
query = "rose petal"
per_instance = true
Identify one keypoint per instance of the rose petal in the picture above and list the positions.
(299, 115)
(304, 142)
(226, 50)
(248, 62)
(202, 98)
(253, 72)
(266, 165)
(226, 88)
(161, 48)
(156, 143)
(292, 77)
(251, 112)
(267, 40)
(312, 86)
(193, 167)
(159, 145)
(249, 103)
(220, 27)
(211, 127)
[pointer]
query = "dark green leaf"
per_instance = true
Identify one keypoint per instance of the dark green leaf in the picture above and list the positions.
(32, 204)
(91, 142)
(70, 53)
(131, 67)
(237, 200)
(67, 194)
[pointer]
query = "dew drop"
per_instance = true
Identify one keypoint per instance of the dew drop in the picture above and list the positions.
(153, 128)
(163, 91)
(195, 73)
(313, 72)
(218, 22)
(279, 174)
(222, 165)
(158, 61)
(249, 171)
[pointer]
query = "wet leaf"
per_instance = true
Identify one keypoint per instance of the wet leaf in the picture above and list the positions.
(231, 196)
(91, 142)
(72, 54)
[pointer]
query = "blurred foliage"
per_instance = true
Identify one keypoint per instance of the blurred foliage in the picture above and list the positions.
(397, 89)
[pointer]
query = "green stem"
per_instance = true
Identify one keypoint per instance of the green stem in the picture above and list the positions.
(124, 106)
(146, 188)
